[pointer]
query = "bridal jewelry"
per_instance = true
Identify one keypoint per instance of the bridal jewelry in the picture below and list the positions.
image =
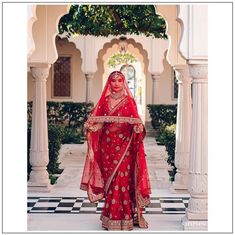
(117, 96)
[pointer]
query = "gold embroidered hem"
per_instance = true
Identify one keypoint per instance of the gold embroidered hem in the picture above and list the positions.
(110, 224)
(114, 119)
(142, 202)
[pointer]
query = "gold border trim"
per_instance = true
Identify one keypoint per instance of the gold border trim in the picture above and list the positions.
(111, 111)
(110, 224)
(115, 119)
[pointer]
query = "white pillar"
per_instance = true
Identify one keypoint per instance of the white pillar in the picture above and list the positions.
(183, 127)
(197, 211)
(155, 88)
(39, 158)
(88, 86)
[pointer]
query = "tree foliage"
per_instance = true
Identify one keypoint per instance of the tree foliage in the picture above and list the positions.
(105, 20)
(118, 58)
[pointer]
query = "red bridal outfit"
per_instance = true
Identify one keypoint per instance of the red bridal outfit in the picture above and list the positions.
(115, 166)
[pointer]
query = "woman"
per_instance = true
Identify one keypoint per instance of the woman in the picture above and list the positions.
(115, 167)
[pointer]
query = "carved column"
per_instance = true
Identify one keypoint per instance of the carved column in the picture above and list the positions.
(155, 88)
(197, 211)
(88, 86)
(183, 127)
(39, 158)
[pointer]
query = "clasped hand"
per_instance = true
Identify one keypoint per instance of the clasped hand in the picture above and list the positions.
(93, 127)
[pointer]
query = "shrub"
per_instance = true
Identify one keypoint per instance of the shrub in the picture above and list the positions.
(29, 112)
(71, 136)
(163, 119)
(167, 136)
(55, 136)
(53, 178)
(67, 114)
(162, 115)
(75, 114)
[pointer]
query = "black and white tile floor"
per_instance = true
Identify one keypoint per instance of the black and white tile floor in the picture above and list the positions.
(81, 205)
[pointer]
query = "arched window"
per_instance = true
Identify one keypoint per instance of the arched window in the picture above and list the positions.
(130, 74)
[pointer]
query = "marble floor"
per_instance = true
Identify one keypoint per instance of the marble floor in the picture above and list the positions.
(91, 222)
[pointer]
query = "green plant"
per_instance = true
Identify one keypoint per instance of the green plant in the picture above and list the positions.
(162, 115)
(71, 136)
(105, 20)
(53, 178)
(54, 115)
(29, 111)
(67, 114)
(75, 114)
(167, 137)
(118, 58)
(55, 136)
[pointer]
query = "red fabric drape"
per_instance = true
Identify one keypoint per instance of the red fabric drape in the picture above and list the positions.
(114, 149)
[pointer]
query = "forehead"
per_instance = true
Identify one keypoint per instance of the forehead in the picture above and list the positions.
(116, 76)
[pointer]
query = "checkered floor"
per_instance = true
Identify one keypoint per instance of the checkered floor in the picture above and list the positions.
(81, 205)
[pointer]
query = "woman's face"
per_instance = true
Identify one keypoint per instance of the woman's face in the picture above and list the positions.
(116, 83)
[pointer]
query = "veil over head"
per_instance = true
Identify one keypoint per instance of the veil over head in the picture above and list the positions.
(107, 91)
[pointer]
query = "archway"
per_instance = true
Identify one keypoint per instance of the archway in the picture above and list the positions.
(143, 61)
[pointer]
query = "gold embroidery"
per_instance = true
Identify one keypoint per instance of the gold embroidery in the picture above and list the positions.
(117, 148)
(113, 109)
(109, 224)
(115, 170)
(114, 119)
(120, 136)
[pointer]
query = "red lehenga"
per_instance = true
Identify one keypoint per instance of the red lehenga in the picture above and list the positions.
(115, 166)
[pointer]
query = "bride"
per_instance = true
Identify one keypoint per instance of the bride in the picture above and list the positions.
(115, 166)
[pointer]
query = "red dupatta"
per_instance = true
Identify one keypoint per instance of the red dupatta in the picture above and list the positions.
(92, 180)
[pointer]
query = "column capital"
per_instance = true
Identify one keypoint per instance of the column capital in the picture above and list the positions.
(40, 73)
(199, 71)
(89, 76)
(182, 73)
(155, 76)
